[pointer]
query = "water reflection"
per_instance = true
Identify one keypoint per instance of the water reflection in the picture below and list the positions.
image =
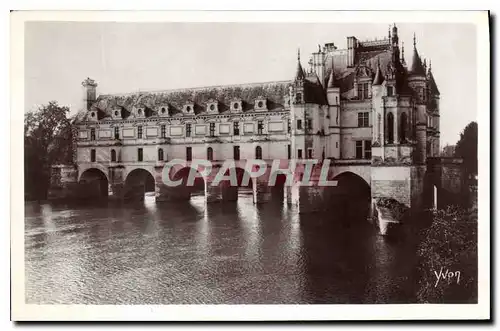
(194, 252)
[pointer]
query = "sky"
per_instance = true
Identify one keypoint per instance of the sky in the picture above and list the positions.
(130, 57)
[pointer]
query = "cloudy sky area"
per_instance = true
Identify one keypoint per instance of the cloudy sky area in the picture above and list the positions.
(128, 57)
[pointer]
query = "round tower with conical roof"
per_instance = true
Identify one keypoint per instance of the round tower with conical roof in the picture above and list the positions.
(417, 81)
(333, 97)
(433, 113)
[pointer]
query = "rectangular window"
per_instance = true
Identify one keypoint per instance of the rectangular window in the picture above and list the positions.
(92, 155)
(236, 128)
(289, 152)
(337, 144)
(359, 149)
(139, 154)
(309, 153)
(299, 124)
(92, 134)
(363, 91)
(299, 153)
(390, 90)
(363, 120)
(117, 132)
(163, 131)
(368, 149)
(188, 130)
(260, 127)
(189, 154)
(212, 129)
(309, 124)
(139, 132)
(236, 152)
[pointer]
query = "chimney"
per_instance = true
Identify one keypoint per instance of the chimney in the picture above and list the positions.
(352, 44)
(89, 93)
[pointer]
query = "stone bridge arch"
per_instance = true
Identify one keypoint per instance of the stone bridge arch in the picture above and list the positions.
(93, 183)
(361, 170)
(138, 181)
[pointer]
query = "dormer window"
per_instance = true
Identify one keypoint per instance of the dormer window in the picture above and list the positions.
(212, 106)
(93, 115)
(140, 112)
(163, 110)
(189, 108)
(236, 105)
(363, 90)
(260, 104)
(117, 113)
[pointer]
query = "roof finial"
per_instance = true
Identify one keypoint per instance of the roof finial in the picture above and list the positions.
(430, 65)
(298, 54)
(403, 49)
(389, 31)
(414, 40)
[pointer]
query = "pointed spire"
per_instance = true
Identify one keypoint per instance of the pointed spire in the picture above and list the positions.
(416, 64)
(299, 73)
(332, 82)
(432, 83)
(379, 77)
(403, 61)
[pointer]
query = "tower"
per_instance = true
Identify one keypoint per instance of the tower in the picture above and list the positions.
(433, 111)
(378, 92)
(297, 112)
(417, 82)
(333, 97)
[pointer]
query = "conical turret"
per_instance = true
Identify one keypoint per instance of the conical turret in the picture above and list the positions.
(416, 69)
(432, 83)
(299, 73)
(332, 81)
(379, 77)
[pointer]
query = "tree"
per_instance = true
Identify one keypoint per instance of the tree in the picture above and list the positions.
(467, 148)
(47, 141)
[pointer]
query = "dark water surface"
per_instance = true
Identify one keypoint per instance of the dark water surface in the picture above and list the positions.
(193, 253)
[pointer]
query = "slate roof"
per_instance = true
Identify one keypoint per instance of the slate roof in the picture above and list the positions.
(345, 76)
(274, 92)
(432, 83)
(416, 64)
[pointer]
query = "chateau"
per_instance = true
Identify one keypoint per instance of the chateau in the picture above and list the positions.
(362, 107)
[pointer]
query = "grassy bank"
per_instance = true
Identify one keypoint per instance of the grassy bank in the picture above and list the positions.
(448, 250)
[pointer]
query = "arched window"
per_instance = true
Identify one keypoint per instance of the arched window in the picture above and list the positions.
(113, 155)
(160, 154)
(258, 153)
(403, 127)
(210, 154)
(390, 128)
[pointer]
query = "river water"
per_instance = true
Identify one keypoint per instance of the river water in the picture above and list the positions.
(194, 253)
